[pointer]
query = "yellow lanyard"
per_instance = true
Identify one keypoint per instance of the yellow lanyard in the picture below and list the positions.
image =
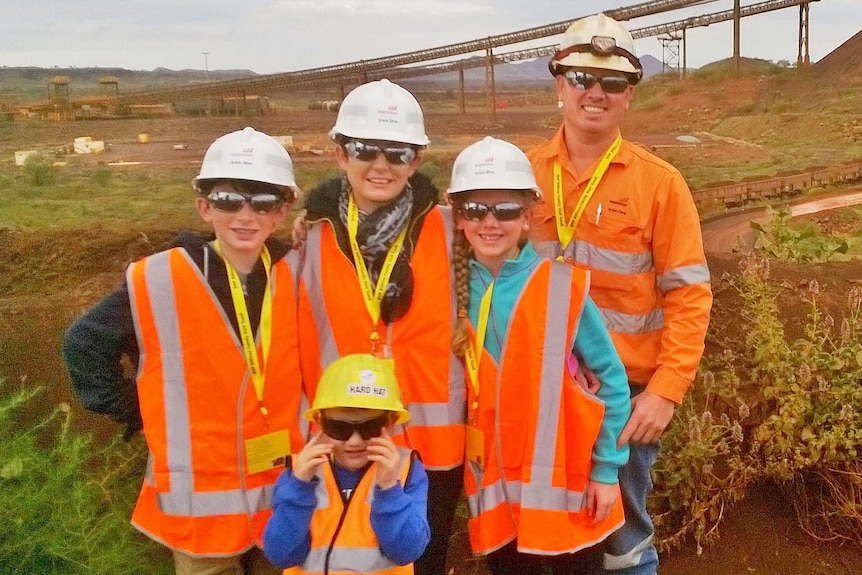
(372, 295)
(474, 350)
(566, 231)
(246, 332)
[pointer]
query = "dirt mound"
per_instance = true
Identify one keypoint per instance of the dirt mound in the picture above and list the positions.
(843, 61)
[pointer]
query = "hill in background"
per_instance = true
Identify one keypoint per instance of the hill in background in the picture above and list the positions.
(28, 84)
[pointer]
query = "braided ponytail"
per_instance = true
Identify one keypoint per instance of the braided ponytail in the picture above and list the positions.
(461, 252)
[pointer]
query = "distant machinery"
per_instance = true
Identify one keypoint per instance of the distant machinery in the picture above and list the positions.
(745, 11)
(109, 86)
(670, 53)
(59, 97)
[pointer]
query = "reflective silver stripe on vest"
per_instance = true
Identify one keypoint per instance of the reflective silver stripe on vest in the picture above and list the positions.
(182, 499)
(617, 262)
(632, 324)
(594, 257)
(421, 414)
(347, 559)
(294, 261)
(539, 493)
(311, 278)
(683, 276)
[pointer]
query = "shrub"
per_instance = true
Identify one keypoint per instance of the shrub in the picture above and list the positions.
(65, 505)
(38, 171)
(776, 412)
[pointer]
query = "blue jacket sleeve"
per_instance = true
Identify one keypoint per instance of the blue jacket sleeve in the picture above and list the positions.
(594, 347)
(399, 517)
(286, 538)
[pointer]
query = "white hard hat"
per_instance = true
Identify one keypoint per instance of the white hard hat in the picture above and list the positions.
(381, 110)
(248, 155)
(492, 164)
(598, 42)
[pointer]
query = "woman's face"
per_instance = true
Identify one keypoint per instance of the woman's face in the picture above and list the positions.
(377, 182)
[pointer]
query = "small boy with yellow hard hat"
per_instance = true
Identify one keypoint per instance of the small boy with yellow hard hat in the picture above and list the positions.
(351, 500)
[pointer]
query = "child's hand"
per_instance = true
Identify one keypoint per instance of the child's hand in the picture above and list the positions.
(384, 452)
(311, 457)
(601, 498)
(299, 230)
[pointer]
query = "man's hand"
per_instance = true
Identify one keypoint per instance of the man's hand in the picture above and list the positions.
(601, 498)
(651, 414)
(384, 452)
(312, 456)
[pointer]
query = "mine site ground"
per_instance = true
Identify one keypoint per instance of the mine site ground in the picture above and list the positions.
(747, 125)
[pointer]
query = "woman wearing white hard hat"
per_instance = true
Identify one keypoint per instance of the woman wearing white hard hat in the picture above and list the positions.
(378, 279)
(542, 455)
(209, 327)
(627, 216)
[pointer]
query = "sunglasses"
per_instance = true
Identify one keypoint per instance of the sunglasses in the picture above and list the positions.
(342, 430)
(232, 202)
(584, 81)
(367, 152)
(504, 211)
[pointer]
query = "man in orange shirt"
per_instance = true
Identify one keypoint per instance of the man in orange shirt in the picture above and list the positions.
(627, 216)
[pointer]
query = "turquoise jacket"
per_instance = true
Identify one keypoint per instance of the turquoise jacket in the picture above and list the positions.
(592, 346)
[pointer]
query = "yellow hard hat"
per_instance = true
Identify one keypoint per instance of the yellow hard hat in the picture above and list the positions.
(359, 380)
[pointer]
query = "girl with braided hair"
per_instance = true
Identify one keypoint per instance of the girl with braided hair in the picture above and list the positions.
(541, 450)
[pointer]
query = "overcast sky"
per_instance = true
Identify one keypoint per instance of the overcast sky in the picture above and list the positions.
(271, 36)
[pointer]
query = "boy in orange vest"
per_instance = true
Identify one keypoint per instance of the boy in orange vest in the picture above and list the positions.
(210, 326)
(351, 500)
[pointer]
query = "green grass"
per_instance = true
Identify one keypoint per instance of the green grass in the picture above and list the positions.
(65, 504)
(73, 198)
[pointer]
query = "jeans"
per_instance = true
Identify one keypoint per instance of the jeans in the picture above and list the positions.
(508, 561)
(630, 550)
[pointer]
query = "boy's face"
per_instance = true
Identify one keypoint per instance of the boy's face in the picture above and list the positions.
(350, 451)
(376, 182)
(241, 234)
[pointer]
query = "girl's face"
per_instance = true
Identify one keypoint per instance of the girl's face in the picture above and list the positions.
(377, 180)
(494, 222)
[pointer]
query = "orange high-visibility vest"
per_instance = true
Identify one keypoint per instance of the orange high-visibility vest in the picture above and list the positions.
(539, 428)
(199, 407)
(333, 322)
(640, 237)
(342, 540)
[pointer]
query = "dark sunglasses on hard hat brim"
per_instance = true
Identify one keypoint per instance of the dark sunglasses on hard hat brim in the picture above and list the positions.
(232, 202)
(342, 430)
(611, 84)
(504, 211)
(395, 153)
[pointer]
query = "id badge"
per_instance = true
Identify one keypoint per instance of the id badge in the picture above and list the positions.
(267, 451)
(475, 445)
